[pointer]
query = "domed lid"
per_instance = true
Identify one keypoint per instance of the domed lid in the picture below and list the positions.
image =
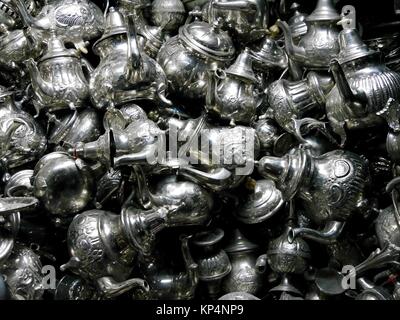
(352, 47)
(56, 48)
(325, 11)
(207, 40)
(169, 6)
(115, 25)
(297, 22)
(242, 67)
(239, 243)
(154, 34)
(270, 55)
(262, 204)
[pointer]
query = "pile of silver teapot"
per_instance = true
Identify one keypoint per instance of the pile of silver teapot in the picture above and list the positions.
(108, 113)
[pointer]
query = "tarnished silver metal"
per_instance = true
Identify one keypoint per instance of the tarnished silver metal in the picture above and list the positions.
(297, 23)
(58, 79)
(232, 94)
(74, 21)
(64, 185)
(9, 16)
(320, 44)
(23, 274)
(238, 296)
(188, 57)
(19, 184)
(125, 73)
(71, 287)
(248, 19)
(243, 255)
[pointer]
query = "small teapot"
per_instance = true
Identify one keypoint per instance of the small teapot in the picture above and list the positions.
(188, 57)
(99, 243)
(232, 94)
(125, 73)
(320, 44)
(363, 86)
(244, 276)
(21, 137)
(73, 21)
(330, 186)
(297, 99)
(297, 23)
(56, 172)
(23, 274)
(58, 79)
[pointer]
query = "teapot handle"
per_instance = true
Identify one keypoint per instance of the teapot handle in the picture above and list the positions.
(86, 64)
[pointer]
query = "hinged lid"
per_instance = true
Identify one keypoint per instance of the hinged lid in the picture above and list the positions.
(207, 40)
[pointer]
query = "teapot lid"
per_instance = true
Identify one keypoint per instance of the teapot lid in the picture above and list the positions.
(208, 40)
(242, 67)
(297, 21)
(352, 47)
(270, 54)
(325, 11)
(56, 48)
(262, 204)
(153, 33)
(239, 243)
(115, 25)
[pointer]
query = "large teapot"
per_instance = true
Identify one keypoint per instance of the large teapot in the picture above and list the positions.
(124, 74)
(186, 58)
(320, 44)
(363, 86)
(58, 79)
(74, 21)
(232, 94)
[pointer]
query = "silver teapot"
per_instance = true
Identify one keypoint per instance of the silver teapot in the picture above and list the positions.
(19, 184)
(23, 274)
(363, 86)
(225, 161)
(320, 44)
(168, 14)
(248, 19)
(186, 58)
(297, 23)
(101, 252)
(214, 264)
(297, 99)
(168, 284)
(232, 94)
(331, 187)
(63, 184)
(74, 21)
(76, 126)
(58, 79)
(244, 276)
(150, 39)
(125, 73)
(21, 137)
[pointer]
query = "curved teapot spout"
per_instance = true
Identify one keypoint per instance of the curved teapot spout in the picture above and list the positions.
(40, 86)
(26, 17)
(294, 51)
(134, 59)
(327, 235)
(111, 288)
(219, 176)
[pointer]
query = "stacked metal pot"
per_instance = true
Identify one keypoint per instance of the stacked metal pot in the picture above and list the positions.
(216, 149)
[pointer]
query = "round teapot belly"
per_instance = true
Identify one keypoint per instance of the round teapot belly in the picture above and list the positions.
(186, 73)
